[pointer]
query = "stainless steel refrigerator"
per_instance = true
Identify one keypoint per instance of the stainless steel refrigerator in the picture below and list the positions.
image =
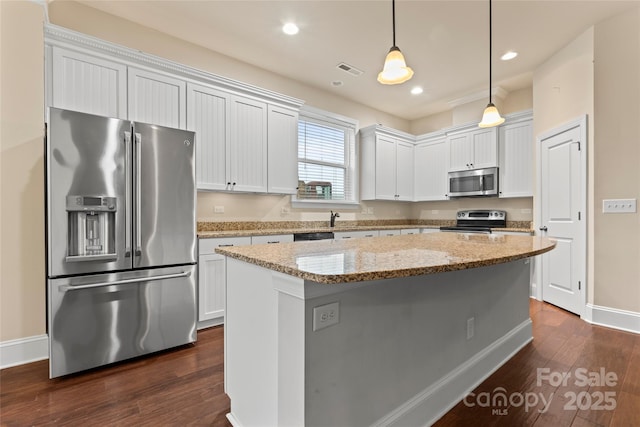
(121, 239)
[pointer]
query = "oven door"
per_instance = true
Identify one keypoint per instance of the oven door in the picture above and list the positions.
(478, 182)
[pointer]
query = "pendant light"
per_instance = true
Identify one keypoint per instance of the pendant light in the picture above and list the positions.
(491, 116)
(395, 68)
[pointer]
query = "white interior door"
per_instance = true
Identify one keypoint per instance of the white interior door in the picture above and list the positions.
(562, 218)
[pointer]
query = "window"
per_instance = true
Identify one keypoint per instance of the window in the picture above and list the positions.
(326, 159)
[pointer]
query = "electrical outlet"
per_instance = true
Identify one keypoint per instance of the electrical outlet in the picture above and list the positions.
(326, 315)
(525, 211)
(435, 211)
(218, 209)
(471, 326)
(619, 206)
(370, 211)
(285, 210)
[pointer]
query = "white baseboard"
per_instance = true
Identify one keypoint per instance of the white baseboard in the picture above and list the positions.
(613, 318)
(23, 350)
(432, 403)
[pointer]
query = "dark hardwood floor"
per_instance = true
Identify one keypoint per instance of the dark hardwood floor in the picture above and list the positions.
(185, 386)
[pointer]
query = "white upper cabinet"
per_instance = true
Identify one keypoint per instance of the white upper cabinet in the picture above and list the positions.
(208, 116)
(282, 156)
(386, 164)
(248, 145)
(88, 84)
(431, 166)
(473, 149)
(157, 98)
(516, 159)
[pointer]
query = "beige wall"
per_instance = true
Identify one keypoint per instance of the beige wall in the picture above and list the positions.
(617, 161)
(22, 275)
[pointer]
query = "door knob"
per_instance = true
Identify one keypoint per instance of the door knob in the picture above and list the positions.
(543, 228)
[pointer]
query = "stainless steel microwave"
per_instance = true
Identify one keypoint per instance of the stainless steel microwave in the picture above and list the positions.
(473, 183)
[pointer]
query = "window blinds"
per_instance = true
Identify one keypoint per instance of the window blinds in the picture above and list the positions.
(324, 155)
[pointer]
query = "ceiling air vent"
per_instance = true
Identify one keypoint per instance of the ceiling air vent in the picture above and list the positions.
(350, 69)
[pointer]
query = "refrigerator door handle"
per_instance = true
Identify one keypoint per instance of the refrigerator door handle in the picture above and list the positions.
(138, 141)
(65, 288)
(127, 210)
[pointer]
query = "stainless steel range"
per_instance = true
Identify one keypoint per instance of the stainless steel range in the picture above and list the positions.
(478, 221)
(121, 242)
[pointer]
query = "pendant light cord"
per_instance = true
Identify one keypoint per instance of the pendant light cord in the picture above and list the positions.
(490, 44)
(393, 18)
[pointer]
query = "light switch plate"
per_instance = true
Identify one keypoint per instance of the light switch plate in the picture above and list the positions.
(619, 206)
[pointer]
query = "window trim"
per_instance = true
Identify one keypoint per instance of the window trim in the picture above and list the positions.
(326, 117)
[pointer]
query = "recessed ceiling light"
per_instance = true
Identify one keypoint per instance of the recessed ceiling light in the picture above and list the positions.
(336, 83)
(290, 28)
(417, 90)
(509, 55)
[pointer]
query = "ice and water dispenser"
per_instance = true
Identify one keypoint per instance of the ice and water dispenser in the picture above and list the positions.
(91, 228)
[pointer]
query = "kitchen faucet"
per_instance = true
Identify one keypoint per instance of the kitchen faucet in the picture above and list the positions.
(333, 218)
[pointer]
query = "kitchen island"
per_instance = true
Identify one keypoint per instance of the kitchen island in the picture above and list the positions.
(379, 331)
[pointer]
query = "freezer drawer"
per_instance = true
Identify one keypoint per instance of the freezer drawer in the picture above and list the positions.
(99, 319)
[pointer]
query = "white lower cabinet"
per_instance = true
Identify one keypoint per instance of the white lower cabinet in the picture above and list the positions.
(212, 279)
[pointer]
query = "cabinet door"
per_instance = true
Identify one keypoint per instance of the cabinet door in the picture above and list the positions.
(88, 84)
(282, 150)
(208, 116)
(516, 160)
(485, 148)
(404, 171)
(460, 152)
(157, 99)
(431, 171)
(211, 287)
(248, 145)
(385, 168)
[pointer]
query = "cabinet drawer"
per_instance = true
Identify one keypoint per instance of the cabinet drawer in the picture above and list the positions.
(276, 238)
(386, 233)
(355, 234)
(429, 230)
(410, 231)
(208, 246)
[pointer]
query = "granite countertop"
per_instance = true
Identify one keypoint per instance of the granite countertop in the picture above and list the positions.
(357, 260)
(207, 231)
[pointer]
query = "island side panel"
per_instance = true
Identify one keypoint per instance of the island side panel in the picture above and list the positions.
(396, 355)
(251, 320)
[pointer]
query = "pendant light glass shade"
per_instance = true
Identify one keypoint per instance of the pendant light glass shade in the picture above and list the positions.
(491, 117)
(395, 68)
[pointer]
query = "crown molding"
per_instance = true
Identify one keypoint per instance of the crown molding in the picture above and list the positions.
(496, 92)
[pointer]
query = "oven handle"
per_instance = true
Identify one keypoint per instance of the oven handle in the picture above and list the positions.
(65, 288)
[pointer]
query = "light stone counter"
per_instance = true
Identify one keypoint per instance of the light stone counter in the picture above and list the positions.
(208, 230)
(357, 260)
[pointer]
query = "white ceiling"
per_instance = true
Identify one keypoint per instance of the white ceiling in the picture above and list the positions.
(445, 42)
